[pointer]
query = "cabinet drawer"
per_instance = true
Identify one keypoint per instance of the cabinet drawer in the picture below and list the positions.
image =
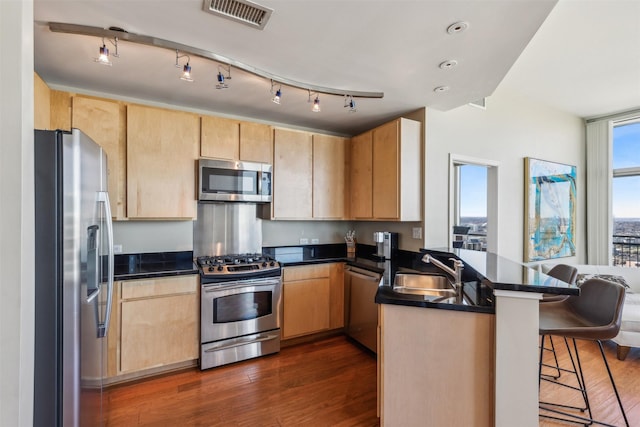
(144, 288)
(304, 272)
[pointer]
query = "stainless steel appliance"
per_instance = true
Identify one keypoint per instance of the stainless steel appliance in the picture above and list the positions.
(240, 308)
(362, 314)
(234, 181)
(386, 244)
(73, 278)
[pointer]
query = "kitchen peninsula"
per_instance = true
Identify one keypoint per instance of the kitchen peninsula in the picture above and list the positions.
(464, 365)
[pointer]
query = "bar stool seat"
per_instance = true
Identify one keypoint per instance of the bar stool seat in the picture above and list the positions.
(594, 315)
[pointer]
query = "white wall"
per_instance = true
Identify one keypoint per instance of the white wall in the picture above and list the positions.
(16, 213)
(153, 236)
(510, 129)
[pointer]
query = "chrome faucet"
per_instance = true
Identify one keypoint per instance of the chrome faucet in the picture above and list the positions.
(455, 272)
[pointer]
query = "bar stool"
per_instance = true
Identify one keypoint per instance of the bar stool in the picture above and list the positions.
(567, 274)
(594, 315)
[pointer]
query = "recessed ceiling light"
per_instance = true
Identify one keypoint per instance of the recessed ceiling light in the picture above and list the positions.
(440, 89)
(457, 27)
(447, 65)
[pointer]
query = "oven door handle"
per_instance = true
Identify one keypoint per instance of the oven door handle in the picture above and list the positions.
(210, 289)
(242, 341)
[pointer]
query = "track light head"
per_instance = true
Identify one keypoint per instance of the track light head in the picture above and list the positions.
(186, 73)
(221, 81)
(350, 103)
(316, 105)
(277, 96)
(103, 57)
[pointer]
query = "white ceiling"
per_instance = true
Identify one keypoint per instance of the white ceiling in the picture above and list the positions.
(584, 59)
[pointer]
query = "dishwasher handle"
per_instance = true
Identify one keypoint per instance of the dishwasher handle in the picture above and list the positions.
(363, 274)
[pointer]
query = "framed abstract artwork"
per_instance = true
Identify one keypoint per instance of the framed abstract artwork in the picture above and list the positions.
(550, 210)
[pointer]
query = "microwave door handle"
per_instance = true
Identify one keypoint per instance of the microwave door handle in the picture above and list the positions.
(259, 183)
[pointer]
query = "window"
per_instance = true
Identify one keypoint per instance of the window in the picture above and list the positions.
(470, 230)
(625, 194)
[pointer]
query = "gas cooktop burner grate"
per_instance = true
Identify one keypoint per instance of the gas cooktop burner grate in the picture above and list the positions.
(237, 266)
(233, 259)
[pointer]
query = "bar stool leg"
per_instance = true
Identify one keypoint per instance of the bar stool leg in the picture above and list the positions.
(613, 384)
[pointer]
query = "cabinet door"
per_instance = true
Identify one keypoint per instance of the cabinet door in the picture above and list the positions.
(101, 121)
(159, 322)
(361, 176)
(162, 148)
(306, 307)
(336, 279)
(220, 138)
(328, 176)
(292, 175)
(386, 148)
(256, 142)
(41, 103)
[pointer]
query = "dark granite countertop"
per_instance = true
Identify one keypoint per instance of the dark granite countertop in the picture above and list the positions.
(154, 264)
(483, 272)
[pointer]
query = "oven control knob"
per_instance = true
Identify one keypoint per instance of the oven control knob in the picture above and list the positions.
(220, 268)
(272, 263)
(210, 268)
(264, 264)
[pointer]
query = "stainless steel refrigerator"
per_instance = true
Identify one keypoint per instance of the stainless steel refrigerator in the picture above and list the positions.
(74, 278)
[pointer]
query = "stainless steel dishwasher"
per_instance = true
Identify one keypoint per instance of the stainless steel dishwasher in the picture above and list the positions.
(361, 316)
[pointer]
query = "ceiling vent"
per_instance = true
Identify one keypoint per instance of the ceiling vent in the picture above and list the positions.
(243, 11)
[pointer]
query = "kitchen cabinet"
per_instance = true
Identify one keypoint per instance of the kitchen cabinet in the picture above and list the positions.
(155, 324)
(104, 122)
(434, 362)
(231, 139)
(162, 149)
(329, 158)
(41, 103)
(292, 175)
(386, 179)
(60, 110)
(313, 299)
(361, 173)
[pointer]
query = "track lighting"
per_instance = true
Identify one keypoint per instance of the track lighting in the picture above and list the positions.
(103, 57)
(278, 94)
(221, 77)
(316, 105)
(186, 69)
(350, 103)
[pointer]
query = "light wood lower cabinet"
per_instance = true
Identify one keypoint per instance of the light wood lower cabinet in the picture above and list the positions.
(313, 299)
(155, 324)
(435, 365)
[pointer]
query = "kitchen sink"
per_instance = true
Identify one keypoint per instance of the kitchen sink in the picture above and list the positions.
(428, 285)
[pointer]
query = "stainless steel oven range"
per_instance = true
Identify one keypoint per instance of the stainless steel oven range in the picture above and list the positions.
(239, 309)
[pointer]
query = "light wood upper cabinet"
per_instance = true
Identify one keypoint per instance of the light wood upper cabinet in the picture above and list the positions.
(386, 179)
(386, 165)
(60, 110)
(329, 177)
(220, 138)
(361, 170)
(104, 122)
(236, 140)
(292, 175)
(256, 142)
(41, 103)
(162, 149)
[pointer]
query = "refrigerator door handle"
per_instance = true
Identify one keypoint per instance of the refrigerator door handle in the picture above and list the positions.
(93, 263)
(103, 328)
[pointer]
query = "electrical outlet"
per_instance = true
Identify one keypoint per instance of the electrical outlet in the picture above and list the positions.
(417, 232)
(117, 249)
(315, 241)
(304, 241)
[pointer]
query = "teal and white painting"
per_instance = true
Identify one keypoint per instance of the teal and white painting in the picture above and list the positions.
(550, 210)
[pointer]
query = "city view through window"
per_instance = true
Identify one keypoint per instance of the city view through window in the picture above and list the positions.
(625, 195)
(472, 229)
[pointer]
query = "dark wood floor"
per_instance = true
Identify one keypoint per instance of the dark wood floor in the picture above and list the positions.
(327, 383)
(604, 405)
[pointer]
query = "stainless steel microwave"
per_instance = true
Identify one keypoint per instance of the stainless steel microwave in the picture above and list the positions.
(234, 181)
